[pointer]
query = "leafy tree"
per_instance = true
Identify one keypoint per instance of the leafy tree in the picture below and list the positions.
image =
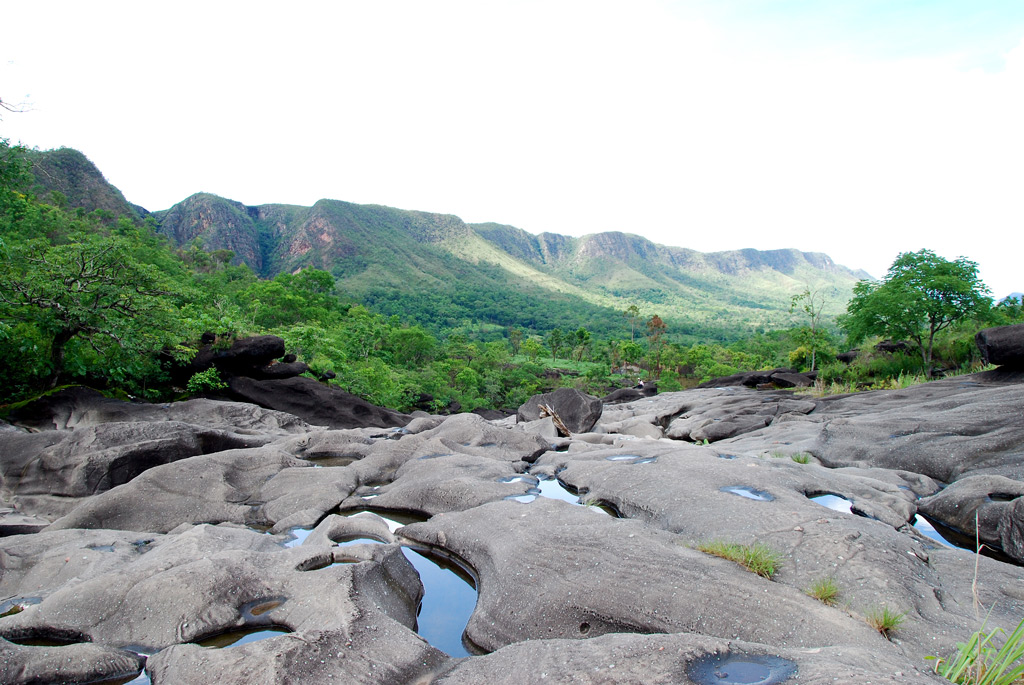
(93, 289)
(581, 342)
(532, 348)
(632, 314)
(812, 303)
(920, 295)
(555, 341)
(515, 339)
(655, 342)
(632, 352)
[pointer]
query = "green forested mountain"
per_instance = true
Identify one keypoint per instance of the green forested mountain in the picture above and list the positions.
(437, 270)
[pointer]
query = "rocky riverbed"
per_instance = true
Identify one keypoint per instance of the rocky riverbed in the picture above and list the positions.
(133, 534)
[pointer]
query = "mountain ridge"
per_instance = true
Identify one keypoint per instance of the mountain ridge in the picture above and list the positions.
(388, 256)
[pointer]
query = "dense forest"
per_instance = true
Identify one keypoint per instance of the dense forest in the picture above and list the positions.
(101, 298)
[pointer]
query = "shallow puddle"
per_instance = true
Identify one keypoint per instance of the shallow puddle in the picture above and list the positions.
(748, 492)
(740, 669)
(297, 536)
(519, 478)
(925, 527)
(833, 502)
(235, 638)
(393, 519)
(17, 605)
(449, 597)
(349, 540)
(332, 461)
(553, 488)
(632, 458)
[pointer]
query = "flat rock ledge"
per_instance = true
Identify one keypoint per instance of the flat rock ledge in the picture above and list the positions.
(132, 534)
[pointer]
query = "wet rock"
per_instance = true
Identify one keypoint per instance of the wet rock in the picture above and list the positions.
(777, 378)
(1011, 530)
(206, 488)
(612, 576)
(875, 557)
(577, 410)
(437, 484)
(79, 407)
(1002, 345)
(717, 414)
(281, 370)
(666, 660)
(382, 652)
(210, 580)
(92, 459)
(316, 403)
(978, 504)
(72, 663)
(945, 429)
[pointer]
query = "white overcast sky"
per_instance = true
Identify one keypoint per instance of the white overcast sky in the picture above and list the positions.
(856, 128)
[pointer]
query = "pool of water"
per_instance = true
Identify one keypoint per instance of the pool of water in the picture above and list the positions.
(449, 597)
(332, 461)
(243, 636)
(748, 492)
(833, 502)
(925, 527)
(297, 536)
(740, 669)
(393, 519)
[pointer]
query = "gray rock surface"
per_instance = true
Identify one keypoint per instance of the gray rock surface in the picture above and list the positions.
(179, 522)
(577, 410)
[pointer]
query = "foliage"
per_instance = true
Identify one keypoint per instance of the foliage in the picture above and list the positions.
(812, 302)
(921, 295)
(757, 558)
(979, 662)
(205, 381)
(884, 620)
(92, 287)
(825, 590)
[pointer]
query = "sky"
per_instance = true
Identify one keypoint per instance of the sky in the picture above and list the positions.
(860, 129)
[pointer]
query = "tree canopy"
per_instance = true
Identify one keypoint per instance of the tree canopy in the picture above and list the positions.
(921, 294)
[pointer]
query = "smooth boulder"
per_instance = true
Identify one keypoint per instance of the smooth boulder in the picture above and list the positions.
(577, 410)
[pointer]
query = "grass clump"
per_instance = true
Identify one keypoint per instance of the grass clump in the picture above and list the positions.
(758, 558)
(978, 662)
(825, 590)
(884, 619)
(801, 457)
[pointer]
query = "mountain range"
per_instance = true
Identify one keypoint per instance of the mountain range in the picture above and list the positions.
(439, 271)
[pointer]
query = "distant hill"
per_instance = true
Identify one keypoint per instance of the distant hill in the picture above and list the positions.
(70, 173)
(442, 272)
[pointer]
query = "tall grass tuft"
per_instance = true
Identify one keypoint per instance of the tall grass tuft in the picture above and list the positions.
(978, 662)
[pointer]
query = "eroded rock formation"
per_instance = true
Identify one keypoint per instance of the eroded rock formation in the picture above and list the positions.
(136, 532)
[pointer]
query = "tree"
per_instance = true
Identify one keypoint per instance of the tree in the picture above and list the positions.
(921, 295)
(655, 342)
(91, 288)
(812, 302)
(581, 342)
(555, 341)
(515, 339)
(632, 313)
(532, 348)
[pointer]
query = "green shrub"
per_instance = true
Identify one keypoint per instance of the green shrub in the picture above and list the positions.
(205, 381)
